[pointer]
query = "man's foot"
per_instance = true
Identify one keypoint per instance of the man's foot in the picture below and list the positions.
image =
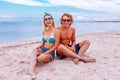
(88, 60)
(76, 61)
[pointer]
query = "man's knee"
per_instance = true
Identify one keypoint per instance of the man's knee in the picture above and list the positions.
(87, 42)
(60, 47)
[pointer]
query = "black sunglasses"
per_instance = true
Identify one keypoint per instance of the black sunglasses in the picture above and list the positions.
(66, 20)
(45, 19)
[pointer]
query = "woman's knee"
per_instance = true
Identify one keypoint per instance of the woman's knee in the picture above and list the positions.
(44, 58)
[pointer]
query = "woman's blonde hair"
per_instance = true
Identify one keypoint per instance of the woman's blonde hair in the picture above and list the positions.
(69, 16)
(45, 26)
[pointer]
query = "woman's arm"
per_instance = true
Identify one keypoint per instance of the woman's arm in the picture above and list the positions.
(42, 44)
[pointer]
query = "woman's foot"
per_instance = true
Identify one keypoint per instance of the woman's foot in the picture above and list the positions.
(33, 77)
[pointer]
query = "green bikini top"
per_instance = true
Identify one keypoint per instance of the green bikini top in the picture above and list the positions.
(51, 39)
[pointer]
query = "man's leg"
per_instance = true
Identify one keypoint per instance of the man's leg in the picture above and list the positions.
(65, 51)
(84, 45)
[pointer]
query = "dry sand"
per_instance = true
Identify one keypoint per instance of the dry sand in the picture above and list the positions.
(105, 48)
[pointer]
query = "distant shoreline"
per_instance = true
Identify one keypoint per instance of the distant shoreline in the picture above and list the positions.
(97, 21)
(75, 20)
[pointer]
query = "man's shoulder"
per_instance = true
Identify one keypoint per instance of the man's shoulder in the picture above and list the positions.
(72, 28)
(58, 27)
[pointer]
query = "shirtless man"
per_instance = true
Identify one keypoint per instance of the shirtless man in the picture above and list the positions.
(67, 47)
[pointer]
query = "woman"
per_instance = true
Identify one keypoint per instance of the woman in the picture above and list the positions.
(67, 47)
(50, 41)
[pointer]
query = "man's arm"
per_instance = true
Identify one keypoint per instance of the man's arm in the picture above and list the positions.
(73, 39)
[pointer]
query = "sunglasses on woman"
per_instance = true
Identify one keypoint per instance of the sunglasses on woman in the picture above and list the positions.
(50, 18)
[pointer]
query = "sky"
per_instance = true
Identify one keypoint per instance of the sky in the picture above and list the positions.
(80, 9)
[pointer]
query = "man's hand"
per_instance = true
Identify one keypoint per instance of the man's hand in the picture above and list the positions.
(70, 48)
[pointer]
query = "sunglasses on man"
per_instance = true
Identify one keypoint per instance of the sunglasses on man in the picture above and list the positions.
(66, 20)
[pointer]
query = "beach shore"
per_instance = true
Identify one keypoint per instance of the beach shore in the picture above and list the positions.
(105, 48)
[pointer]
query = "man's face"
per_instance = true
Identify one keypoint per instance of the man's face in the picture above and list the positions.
(66, 21)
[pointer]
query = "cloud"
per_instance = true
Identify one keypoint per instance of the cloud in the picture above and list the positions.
(24, 2)
(98, 5)
(80, 17)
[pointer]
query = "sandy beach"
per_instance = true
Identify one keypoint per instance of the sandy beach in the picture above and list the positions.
(105, 48)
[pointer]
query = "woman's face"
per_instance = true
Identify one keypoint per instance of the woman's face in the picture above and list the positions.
(66, 21)
(48, 20)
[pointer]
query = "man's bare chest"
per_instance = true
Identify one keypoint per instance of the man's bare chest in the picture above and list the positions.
(66, 34)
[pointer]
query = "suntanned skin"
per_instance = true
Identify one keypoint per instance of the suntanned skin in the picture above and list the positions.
(67, 37)
(37, 55)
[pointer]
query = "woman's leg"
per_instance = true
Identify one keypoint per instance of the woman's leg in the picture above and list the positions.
(44, 58)
(33, 63)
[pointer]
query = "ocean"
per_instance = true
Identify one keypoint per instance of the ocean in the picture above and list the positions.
(11, 31)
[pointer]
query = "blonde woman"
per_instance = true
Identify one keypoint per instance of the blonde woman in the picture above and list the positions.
(50, 41)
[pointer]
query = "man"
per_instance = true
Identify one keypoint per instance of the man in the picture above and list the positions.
(67, 47)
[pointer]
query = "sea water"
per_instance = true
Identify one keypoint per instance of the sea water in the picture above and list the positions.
(11, 31)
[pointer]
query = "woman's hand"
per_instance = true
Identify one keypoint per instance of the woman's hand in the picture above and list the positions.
(38, 51)
(38, 47)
